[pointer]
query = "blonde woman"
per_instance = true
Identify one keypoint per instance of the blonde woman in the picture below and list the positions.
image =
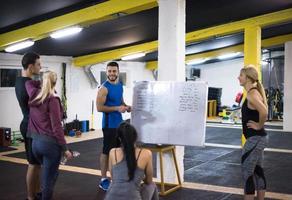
(254, 114)
(45, 128)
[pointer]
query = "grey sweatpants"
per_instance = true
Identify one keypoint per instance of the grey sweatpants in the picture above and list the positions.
(252, 164)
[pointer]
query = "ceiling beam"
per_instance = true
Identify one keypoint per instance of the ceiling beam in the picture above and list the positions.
(225, 29)
(90, 15)
(274, 41)
(278, 40)
(114, 54)
(238, 26)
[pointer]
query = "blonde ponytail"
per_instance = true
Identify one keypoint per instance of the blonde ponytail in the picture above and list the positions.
(261, 89)
(48, 86)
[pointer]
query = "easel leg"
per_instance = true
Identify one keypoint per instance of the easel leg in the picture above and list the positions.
(176, 166)
(161, 173)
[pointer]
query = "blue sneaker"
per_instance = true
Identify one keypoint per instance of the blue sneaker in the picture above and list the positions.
(104, 184)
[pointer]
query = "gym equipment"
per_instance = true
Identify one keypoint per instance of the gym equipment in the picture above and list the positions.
(84, 126)
(238, 97)
(215, 94)
(232, 115)
(92, 116)
(16, 138)
(71, 133)
(78, 133)
(275, 102)
(5, 136)
(63, 93)
(212, 108)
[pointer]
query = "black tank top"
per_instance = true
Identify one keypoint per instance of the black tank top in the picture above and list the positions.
(253, 115)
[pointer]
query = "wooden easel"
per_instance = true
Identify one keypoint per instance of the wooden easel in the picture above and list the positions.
(160, 150)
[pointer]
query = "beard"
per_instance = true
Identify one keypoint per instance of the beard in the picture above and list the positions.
(112, 78)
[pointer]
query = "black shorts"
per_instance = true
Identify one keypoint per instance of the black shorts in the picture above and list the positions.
(110, 140)
(28, 146)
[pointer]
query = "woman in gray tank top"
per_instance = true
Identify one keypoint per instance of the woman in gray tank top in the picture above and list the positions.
(129, 166)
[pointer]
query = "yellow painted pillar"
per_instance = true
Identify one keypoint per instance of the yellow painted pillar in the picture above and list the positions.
(252, 47)
(252, 52)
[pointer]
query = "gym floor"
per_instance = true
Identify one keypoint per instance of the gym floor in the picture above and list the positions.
(211, 172)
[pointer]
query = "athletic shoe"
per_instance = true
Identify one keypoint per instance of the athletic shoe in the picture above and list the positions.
(104, 184)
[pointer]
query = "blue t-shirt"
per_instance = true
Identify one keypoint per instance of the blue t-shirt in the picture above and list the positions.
(114, 98)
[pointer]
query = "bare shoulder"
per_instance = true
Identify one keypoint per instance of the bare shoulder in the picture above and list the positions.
(101, 94)
(254, 94)
(112, 151)
(115, 149)
(147, 152)
(102, 90)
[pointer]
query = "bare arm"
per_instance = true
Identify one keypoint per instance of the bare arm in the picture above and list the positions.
(256, 101)
(149, 169)
(129, 108)
(100, 101)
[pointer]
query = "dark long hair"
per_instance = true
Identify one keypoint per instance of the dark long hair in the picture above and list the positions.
(127, 134)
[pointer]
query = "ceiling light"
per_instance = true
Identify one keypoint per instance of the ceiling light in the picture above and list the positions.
(133, 56)
(19, 45)
(265, 50)
(66, 32)
(196, 62)
(230, 55)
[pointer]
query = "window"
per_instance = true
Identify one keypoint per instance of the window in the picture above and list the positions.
(122, 77)
(196, 72)
(8, 77)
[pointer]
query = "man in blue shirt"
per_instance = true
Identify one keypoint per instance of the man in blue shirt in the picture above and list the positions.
(110, 101)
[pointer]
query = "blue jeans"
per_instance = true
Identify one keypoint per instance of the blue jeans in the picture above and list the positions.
(49, 155)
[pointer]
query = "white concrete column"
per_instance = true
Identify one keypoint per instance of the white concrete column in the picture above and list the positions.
(171, 40)
(287, 117)
(171, 64)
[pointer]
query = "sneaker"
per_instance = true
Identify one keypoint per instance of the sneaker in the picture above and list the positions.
(104, 184)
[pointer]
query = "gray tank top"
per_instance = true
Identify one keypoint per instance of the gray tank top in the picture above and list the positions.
(121, 188)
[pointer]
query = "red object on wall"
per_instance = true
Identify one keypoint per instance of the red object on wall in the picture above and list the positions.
(238, 97)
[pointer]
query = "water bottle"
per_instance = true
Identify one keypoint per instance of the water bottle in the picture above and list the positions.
(74, 155)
